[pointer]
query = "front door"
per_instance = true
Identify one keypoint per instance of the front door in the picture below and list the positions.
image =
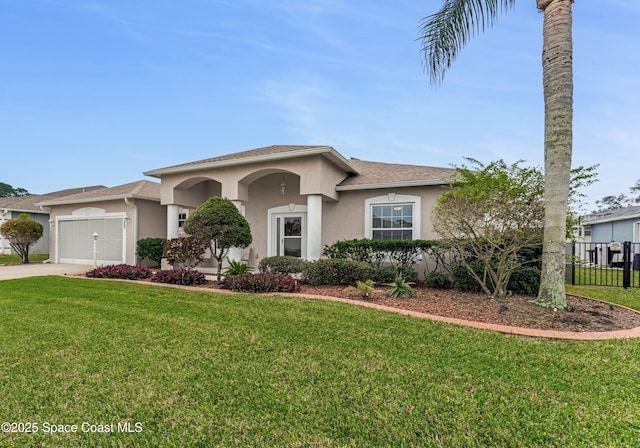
(289, 234)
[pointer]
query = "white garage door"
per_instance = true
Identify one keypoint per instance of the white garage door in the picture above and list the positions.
(75, 241)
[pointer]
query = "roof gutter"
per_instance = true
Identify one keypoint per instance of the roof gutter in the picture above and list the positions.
(98, 199)
(409, 183)
(130, 203)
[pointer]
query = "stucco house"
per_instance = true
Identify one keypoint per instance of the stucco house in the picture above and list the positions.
(12, 207)
(298, 199)
(599, 236)
(118, 216)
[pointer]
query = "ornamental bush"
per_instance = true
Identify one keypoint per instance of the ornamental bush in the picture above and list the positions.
(188, 277)
(282, 264)
(121, 271)
(463, 280)
(437, 280)
(525, 280)
(150, 249)
(337, 271)
(185, 250)
(399, 252)
(261, 282)
(387, 274)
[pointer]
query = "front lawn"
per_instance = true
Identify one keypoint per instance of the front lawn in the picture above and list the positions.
(15, 259)
(206, 369)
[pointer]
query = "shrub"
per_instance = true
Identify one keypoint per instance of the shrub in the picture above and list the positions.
(121, 271)
(179, 277)
(365, 288)
(284, 265)
(387, 274)
(185, 250)
(375, 252)
(261, 282)
(151, 249)
(237, 267)
(400, 287)
(337, 272)
(525, 280)
(464, 281)
(438, 280)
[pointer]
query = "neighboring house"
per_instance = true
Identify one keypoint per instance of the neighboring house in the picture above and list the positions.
(118, 217)
(298, 199)
(600, 235)
(614, 225)
(12, 207)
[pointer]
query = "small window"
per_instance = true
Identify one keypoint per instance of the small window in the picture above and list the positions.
(182, 217)
(392, 222)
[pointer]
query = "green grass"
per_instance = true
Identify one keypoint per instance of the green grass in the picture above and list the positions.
(596, 276)
(629, 297)
(13, 259)
(204, 369)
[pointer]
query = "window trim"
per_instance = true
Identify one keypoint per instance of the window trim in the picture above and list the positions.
(391, 199)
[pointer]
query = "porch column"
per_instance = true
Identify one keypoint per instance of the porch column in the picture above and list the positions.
(235, 253)
(314, 226)
(172, 221)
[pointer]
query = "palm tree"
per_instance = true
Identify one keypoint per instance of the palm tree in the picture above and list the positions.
(443, 35)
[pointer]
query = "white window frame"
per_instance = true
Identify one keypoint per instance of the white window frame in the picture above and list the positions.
(393, 199)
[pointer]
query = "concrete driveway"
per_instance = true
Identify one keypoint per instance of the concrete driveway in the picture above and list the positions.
(38, 269)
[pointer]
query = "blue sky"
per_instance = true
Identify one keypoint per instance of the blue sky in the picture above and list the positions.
(96, 92)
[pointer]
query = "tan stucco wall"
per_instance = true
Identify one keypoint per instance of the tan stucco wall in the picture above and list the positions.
(319, 176)
(152, 221)
(343, 219)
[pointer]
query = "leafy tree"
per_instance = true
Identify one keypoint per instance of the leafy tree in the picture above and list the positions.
(445, 33)
(494, 214)
(7, 190)
(219, 222)
(22, 232)
(614, 202)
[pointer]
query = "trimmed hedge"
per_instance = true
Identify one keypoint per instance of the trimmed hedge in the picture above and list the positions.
(375, 252)
(338, 271)
(282, 264)
(262, 282)
(179, 277)
(121, 271)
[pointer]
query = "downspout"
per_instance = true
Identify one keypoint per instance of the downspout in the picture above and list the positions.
(2, 239)
(135, 228)
(47, 210)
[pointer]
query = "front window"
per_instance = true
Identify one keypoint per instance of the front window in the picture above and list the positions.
(182, 217)
(392, 222)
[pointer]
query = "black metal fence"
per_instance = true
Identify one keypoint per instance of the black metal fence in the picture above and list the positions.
(604, 264)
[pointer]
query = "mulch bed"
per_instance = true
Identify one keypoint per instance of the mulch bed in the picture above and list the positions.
(516, 311)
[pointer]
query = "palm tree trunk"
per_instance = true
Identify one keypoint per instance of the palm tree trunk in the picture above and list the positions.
(557, 68)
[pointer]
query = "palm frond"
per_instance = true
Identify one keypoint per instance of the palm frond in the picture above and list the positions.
(446, 32)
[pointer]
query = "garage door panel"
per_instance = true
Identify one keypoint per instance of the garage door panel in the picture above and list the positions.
(75, 240)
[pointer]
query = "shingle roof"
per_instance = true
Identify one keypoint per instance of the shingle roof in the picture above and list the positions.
(612, 215)
(379, 174)
(142, 189)
(256, 155)
(30, 203)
